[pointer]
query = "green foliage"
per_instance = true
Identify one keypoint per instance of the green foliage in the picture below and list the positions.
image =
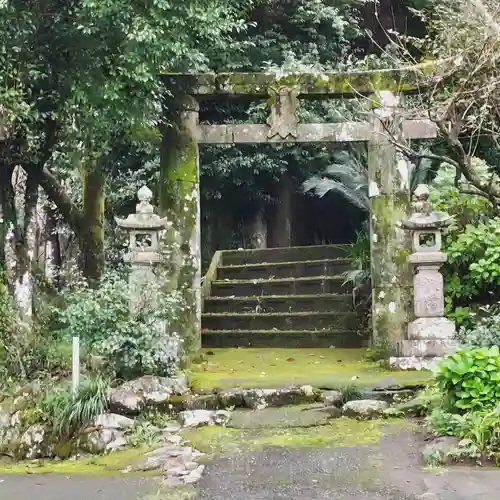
(479, 432)
(350, 392)
(67, 414)
(472, 243)
(144, 433)
(470, 379)
(485, 330)
(359, 256)
(132, 344)
(475, 257)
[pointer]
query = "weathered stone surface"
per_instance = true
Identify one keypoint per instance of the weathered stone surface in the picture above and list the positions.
(233, 397)
(364, 408)
(114, 421)
(431, 328)
(132, 397)
(261, 398)
(412, 408)
(117, 444)
(32, 443)
(96, 442)
(430, 335)
(331, 398)
(412, 363)
(125, 401)
(196, 418)
(429, 348)
(440, 450)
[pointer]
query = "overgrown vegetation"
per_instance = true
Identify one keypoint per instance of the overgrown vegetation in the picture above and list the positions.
(465, 402)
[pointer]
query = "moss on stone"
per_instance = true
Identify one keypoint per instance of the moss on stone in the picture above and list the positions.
(337, 433)
(275, 368)
(311, 84)
(111, 464)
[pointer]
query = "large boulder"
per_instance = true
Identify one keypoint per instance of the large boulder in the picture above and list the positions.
(364, 409)
(147, 391)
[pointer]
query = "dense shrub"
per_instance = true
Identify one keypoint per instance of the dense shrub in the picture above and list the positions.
(131, 344)
(470, 379)
(485, 331)
(472, 243)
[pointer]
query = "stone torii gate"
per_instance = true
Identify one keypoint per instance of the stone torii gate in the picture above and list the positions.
(388, 172)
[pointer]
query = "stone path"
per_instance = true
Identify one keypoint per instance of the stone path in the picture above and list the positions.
(59, 487)
(343, 469)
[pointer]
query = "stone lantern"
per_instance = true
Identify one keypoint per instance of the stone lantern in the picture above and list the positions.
(430, 334)
(144, 228)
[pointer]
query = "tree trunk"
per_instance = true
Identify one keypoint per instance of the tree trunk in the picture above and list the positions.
(19, 203)
(280, 229)
(91, 241)
(258, 229)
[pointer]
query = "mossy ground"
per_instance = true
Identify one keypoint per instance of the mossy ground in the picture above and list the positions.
(274, 368)
(111, 464)
(337, 433)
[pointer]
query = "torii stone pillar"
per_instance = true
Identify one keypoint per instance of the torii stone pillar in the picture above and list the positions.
(389, 192)
(180, 202)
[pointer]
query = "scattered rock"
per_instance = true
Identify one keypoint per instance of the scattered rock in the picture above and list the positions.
(96, 442)
(440, 451)
(332, 411)
(198, 402)
(32, 442)
(364, 408)
(257, 399)
(123, 400)
(197, 418)
(117, 444)
(412, 408)
(132, 397)
(233, 397)
(331, 398)
(114, 421)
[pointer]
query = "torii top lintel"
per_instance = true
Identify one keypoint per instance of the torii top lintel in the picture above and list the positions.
(308, 85)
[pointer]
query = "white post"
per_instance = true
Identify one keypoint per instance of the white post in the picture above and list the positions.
(75, 375)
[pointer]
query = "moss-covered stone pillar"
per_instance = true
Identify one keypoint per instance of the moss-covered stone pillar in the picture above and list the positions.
(179, 196)
(388, 174)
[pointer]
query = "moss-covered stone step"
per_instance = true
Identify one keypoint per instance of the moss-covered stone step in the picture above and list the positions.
(299, 286)
(281, 321)
(273, 270)
(280, 303)
(287, 254)
(286, 338)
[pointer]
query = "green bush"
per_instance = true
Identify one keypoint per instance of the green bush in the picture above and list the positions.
(470, 379)
(132, 344)
(472, 243)
(485, 332)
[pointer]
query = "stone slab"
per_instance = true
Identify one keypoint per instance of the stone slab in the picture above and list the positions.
(427, 348)
(412, 363)
(431, 328)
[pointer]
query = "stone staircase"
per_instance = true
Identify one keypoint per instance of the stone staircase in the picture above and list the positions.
(279, 297)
